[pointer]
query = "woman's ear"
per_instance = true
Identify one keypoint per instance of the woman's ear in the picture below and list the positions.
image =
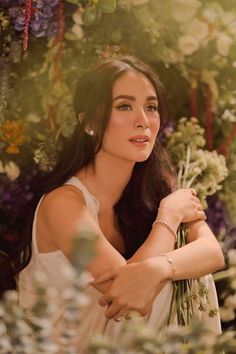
(80, 117)
(88, 130)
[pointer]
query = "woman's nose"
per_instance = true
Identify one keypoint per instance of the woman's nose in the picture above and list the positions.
(141, 120)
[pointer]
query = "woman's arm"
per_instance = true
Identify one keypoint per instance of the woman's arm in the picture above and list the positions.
(62, 209)
(182, 206)
(58, 217)
(136, 285)
(201, 256)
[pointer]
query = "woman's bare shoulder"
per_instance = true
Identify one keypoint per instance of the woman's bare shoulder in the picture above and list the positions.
(61, 207)
(62, 197)
(59, 214)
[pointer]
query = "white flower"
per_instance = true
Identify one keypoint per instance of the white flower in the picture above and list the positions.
(78, 31)
(210, 14)
(85, 279)
(227, 314)
(174, 57)
(232, 27)
(230, 301)
(33, 117)
(69, 272)
(223, 43)
(229, 115)
(12, 170)
(232, 100)
(77, 16)
(227, 18)
(197, 29)
(183, 11)
(138, 2)
(188, 44)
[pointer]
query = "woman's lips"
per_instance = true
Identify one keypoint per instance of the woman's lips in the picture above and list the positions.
(139, 140)
(139, 143)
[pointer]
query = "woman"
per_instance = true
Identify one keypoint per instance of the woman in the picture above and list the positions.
(112, 174)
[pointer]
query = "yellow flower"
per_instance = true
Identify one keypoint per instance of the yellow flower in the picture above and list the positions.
(12, 149)
(13, 134)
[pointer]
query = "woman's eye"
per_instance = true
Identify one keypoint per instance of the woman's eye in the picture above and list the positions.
(124, 107)
(152, 108)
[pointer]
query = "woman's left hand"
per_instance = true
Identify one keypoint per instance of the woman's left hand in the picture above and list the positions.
(134, 287)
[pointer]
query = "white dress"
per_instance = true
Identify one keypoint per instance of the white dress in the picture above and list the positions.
(93, 320)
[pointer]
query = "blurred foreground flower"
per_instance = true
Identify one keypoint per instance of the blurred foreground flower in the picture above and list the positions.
(32, 331)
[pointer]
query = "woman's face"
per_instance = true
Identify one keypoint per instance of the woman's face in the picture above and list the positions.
(134, 120)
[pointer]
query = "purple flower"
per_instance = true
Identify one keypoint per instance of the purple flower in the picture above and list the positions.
(217, 217)
(15, 195)
(51, 3)
(8, 3)
(39, 4)
(230, 238)
(42, 21)
(52, 29)
(13, 12)
(218, 220)
(38, 25)
(19, 26)
(166, 131)
(47, 11)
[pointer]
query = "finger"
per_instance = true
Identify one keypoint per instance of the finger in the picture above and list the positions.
(112, 311)
(120, 316)
(201, 215)
(198, 206)
(196, 199)
(103, 302)
(107, 298)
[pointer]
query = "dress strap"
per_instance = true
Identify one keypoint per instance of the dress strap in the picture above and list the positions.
(91, 201)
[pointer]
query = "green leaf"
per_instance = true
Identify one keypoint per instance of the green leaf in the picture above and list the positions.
(89, 15)
(106, 6)
(71, 36)
(73, 1)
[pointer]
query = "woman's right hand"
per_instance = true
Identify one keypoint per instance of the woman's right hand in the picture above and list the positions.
(134, 286)
(182, 205)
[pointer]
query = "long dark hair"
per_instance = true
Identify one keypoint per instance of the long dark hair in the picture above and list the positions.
(137, 207)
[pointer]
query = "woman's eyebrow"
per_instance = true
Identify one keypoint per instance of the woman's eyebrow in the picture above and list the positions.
(128, 97)
(151, 98)
(132, 98)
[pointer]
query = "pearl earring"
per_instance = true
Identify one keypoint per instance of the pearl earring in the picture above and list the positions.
(89, 131)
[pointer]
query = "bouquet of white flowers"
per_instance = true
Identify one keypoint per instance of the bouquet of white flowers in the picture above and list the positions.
(202, 170)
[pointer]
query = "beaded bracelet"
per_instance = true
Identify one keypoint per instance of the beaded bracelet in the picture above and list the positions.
(171, 263)
(167, 226)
